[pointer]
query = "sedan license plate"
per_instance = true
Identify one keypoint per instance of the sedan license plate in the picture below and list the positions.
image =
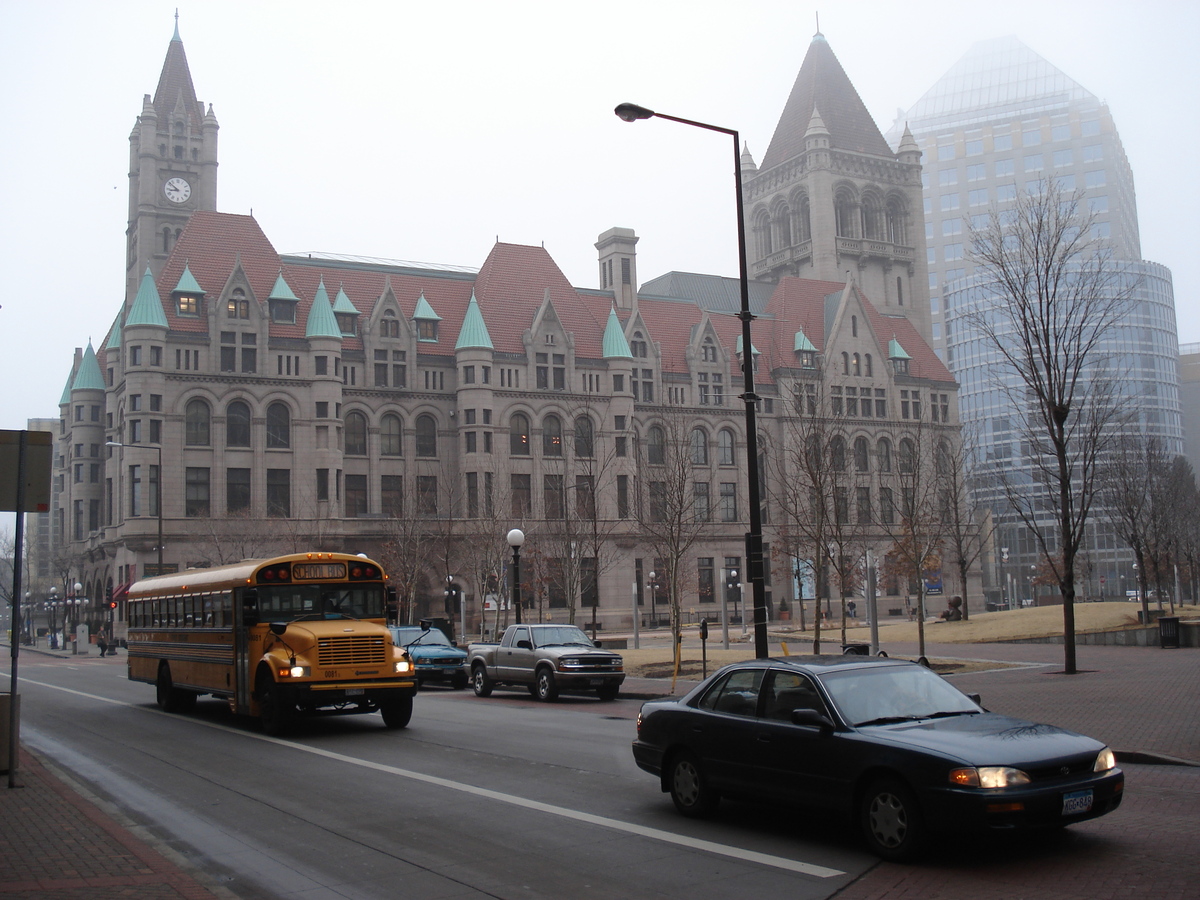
(450, 670)
(355, 692)
(1077, 802)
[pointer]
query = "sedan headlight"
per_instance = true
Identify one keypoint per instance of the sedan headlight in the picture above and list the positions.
(988, 777)
(1105, 760)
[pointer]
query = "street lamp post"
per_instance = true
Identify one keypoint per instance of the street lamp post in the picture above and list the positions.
(157, 492)
(653, 585)
(630, 112)
(516, 538)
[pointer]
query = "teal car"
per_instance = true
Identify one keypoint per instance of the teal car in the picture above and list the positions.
(435, 657)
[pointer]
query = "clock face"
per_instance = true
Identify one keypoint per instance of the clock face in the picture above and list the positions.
(177, 190)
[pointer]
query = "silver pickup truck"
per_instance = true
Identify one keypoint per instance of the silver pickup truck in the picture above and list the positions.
(546, 659)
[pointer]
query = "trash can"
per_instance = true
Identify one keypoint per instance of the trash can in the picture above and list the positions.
(856, 649)
(1168, 631)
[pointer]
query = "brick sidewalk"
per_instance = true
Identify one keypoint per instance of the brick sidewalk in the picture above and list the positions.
(58, 842)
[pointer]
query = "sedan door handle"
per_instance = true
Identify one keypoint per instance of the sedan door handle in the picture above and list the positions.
(763, 738)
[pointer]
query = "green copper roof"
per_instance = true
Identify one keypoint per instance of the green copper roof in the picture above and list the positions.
(282, 291)
(188, 283)
(147, 307)
(114, 334)
(753, 349)
(474, 333)
(615, 345)
(803, 343)
(342, 304)
(66, 394)
(89, 376)
(895, 351)
(321, 321)
(424, 310)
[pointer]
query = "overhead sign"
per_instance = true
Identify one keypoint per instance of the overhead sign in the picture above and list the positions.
(33, 470)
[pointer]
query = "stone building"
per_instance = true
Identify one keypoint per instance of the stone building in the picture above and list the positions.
(279, 402)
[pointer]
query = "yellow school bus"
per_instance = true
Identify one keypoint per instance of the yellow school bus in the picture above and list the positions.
(304, 634)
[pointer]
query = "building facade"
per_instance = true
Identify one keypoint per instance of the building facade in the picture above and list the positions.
(247, 402)
(1001, 122)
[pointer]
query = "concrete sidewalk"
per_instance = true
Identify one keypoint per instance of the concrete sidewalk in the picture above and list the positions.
(61, 841)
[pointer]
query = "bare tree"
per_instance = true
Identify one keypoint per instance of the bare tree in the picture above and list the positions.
(1052, 295)
(969, 527)
(668, 515)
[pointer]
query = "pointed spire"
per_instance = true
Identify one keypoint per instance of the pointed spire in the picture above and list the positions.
(615, 345)
(282, 290)
(187, 282)
(114, 333)
(803, 344)
(474, 333)
(175, 84)
(89, 377)
(175, 37)
(342, 304)
(66, 394)
(749, 167)
(424, 310)
(823, 80)
(147, 308)
(321, 321)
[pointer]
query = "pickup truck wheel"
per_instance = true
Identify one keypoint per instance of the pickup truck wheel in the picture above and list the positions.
(397, 713)
(689, 788)
(547, 689)
(481, 682)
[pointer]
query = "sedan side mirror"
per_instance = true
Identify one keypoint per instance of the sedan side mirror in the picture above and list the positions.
(812, 719)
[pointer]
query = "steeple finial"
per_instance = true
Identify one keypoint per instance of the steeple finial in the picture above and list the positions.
(176, 37)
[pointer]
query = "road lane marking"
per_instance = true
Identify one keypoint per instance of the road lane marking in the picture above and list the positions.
(667, 837)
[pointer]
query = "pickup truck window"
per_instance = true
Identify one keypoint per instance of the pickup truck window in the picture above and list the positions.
(518, 635)
(561, 636)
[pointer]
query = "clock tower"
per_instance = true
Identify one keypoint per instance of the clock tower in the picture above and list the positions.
(172, 167)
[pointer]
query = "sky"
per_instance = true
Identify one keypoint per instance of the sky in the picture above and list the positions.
(426, 132)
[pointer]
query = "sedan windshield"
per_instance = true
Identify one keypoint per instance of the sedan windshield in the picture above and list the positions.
(883, 694)
(407, 636)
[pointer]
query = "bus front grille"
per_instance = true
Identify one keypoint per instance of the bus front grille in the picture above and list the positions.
(355, 650)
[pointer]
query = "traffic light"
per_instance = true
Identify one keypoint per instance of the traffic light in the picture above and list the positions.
(112, 604)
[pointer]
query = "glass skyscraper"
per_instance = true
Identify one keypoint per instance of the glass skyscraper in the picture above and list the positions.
(1001, 121)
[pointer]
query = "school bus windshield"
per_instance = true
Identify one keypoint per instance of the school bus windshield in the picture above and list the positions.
(284, 603)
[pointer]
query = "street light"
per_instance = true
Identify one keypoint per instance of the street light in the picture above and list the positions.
(630, 112)
(653, 585)
(157, 492)
(516, 538)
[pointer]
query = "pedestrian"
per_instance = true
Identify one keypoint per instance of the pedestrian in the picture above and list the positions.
(102, 643)
(853, 609)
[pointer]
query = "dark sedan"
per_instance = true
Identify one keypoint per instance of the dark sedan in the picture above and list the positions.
(888, 744)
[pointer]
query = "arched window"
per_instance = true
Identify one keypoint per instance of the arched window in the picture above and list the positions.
(518, 435)
(279, 426)
(783, 225)
(845, 363)
(389, 325)
(709, 350)
(391, 436)
(857, 364)
(552, 436)
(941, 459)
(845, 212)
(585, 438)
(899, 291)
(867, 367)
(196, 420)
(854, 326)
(837, 453)
(426, 436)
(356, 434)
(237, 424)
(762, 230)
(638, 346)
(699, 447)
(861, 462)
(805, 220)
(725, 448)
(883, 455)
(656, 446)
(908, 457)
(896, 219)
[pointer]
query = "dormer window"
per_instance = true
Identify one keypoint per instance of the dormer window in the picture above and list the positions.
(189, 305)
(427, 330)
(900, 366)
(808, 359)
(347, 322)
(283, 312)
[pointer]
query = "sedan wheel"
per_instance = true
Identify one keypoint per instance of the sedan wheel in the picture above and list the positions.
(891, 821)
(689, 788)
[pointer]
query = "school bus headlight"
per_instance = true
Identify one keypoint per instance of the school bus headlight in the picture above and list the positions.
(294, 671)
(403, 667)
